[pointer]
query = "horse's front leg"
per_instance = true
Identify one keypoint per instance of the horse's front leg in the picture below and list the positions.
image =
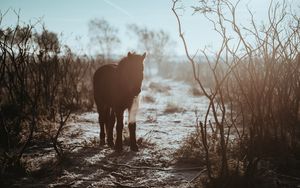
(110, 127)
(132, 124)
(119, 128)
(101, 118)
(132, 130)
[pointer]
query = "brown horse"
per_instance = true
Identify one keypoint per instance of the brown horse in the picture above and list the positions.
(115, 89)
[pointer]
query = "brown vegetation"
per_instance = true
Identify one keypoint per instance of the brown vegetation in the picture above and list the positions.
(42, 83)
(254, 98)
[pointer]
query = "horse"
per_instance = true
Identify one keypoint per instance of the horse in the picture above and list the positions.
(116, 87)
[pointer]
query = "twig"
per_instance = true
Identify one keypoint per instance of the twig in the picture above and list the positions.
(77, 146)
(127, 186)
(199, 173)
(195, 177)
(157, 168)
(287, 177)
(115, 174)
(107, 168)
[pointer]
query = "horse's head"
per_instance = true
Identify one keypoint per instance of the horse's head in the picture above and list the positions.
(132, 72)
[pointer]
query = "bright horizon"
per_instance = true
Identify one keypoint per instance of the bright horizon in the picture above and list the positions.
(70, 18)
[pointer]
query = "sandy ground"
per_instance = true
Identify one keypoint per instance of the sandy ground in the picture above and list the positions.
(165, 117)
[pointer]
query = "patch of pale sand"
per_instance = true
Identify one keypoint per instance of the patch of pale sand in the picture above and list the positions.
(166, 130)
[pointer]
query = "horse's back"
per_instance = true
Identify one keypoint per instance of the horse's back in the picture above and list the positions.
(105, 82)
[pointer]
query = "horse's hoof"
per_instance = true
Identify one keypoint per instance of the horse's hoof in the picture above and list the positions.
(118, 148)
(111, 144)
(102, 142)
(134, 148)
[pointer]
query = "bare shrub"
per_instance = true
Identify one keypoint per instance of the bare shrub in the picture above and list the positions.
(157, 44)
(190, 150)
(157, 87)
(40, 87)
(254, 96)
(105, 36)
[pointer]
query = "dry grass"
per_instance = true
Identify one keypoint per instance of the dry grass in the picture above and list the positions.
(190, 151)
(196, 91)
(172, 107)
(157, 87)
(149, 99)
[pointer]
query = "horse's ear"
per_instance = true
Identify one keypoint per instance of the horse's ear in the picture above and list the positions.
(129, 54)
(144, 55)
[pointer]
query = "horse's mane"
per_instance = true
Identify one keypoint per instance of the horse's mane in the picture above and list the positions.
(125, 59)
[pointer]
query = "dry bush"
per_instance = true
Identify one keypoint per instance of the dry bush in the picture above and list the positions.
(177, 70)
(157, 87)
(157, 44)
(190, 150)
(42, 83)
(195, 91)
(254, 98)
(149, 99)
(173, 107)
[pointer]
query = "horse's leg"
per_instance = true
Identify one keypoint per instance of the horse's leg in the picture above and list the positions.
(102, 116)
(132, 123)
(132, 127)
(132, 130)
(120, 125)
(110, 127)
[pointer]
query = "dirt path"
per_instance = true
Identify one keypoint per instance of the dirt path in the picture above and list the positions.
(165, 118)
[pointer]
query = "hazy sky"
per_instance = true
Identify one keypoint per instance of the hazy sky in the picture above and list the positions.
(70, 17)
